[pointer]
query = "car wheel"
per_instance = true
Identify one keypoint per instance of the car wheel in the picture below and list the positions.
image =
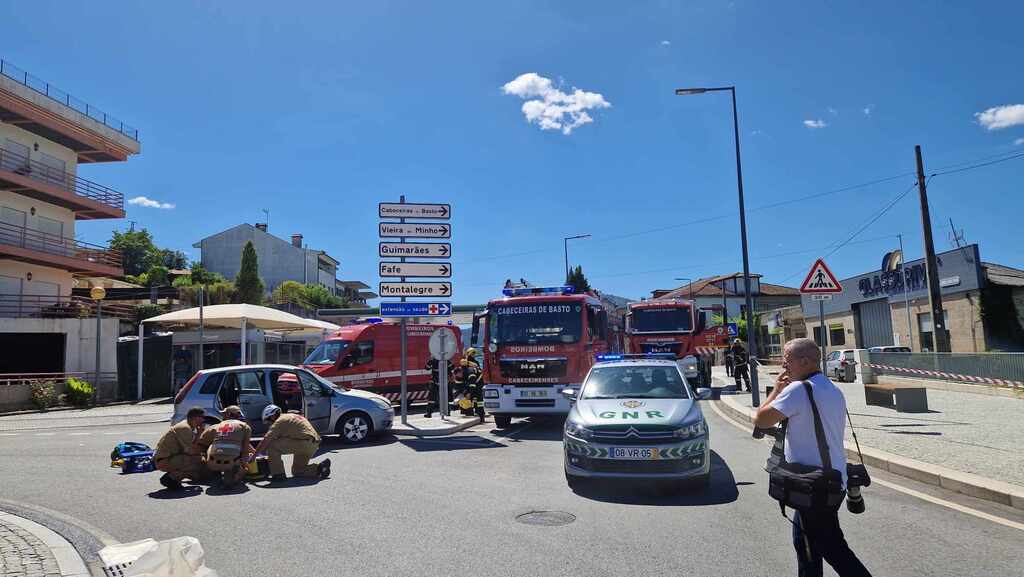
(354, 427)
(502, 421)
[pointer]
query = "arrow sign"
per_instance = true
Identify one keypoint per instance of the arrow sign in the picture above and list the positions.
(415, 289)
(427, 269)
(414, 210)
(820, 280)
(415, 249)
(392, 310)
(415, 229)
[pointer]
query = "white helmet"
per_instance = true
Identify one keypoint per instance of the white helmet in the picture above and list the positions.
(270, 411)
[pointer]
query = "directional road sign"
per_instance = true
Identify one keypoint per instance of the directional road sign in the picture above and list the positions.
(414, 210)
(427, 269)
(415, 229)
(394, 310)
(820, 280)
(415, 249)
(415, 289)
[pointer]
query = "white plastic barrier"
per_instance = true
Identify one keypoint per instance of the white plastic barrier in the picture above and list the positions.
(180, 557)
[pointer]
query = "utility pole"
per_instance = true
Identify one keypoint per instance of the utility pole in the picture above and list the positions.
(939, 339)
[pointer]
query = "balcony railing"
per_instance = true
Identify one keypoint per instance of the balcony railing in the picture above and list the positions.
(18, 164)
(57, 95)
(60, 307)
(27, 238)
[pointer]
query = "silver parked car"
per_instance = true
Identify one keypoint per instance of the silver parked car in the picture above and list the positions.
(353, 414)
(636, 417)
(840, 366)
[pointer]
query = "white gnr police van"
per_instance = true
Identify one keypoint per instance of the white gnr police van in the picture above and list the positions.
(636, 417)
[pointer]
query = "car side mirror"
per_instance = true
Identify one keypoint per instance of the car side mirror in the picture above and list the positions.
(703, 394)
(570, 395)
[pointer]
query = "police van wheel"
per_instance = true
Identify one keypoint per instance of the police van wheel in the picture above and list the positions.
(502, 421)
(354, 428)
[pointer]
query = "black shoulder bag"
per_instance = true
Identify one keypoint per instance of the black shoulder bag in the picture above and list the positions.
(804, 487)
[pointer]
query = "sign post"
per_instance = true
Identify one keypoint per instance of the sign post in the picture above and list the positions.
(401, 270)
(442, 348)
(821, 284)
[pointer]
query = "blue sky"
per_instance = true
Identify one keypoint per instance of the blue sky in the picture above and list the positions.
(322, 110)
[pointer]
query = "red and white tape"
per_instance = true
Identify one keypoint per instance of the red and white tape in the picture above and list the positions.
(951, 376)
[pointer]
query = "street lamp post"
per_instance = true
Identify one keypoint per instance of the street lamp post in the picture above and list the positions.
(751, 341)
(97, 293)
(565, 243)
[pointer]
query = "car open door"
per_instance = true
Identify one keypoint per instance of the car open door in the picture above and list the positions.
(317, 398)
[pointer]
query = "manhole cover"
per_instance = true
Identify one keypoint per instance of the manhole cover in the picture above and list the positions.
(546, 518)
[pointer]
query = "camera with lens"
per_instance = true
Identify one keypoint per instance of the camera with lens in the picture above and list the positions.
(856, 477)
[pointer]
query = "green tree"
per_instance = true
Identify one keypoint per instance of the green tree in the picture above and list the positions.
(156, 276)
(218, 293)
(248, 285)
(138, 252)
(172, 259)
(577, 280)
(317, 297)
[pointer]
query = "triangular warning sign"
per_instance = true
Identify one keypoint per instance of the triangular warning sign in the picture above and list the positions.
(820, 280)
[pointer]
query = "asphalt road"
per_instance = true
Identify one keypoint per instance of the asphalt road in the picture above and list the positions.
(448, 506)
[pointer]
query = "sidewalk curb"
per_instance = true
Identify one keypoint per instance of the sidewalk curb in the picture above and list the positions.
(70, 563)
(44, 517)
(412, 431)
(956, 481)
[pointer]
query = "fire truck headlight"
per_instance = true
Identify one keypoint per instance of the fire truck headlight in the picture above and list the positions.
(490, 393)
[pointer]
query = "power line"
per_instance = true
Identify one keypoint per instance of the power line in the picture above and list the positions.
(979, 165)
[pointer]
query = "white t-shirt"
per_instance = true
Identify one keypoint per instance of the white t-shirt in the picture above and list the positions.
(801, 442)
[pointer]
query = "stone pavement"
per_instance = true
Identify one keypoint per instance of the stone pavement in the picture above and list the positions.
(971, 433)
(96, 416)
(28, 549)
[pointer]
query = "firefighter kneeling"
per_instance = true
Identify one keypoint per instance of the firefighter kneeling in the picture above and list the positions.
(227, 446)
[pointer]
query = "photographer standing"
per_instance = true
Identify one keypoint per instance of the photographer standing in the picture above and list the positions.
(816, 532)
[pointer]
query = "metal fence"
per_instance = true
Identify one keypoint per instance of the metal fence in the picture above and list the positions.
(57, 95)
(13, 162)
(23, 237)
(1002, 369)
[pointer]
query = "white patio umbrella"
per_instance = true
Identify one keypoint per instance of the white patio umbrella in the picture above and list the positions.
(240, 316)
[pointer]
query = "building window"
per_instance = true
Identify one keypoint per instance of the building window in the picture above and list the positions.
(837, 335)
(17, 160)
(817, 335)
(925, 327)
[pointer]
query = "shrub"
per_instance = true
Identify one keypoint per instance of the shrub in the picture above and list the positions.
(146, 311)
(79, 392)
(43, 395)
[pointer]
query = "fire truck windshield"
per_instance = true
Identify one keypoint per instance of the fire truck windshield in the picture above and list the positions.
(534, 323)
(327, 353)
(662, 320)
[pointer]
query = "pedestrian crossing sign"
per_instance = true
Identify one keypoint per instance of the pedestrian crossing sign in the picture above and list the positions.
(820, 280)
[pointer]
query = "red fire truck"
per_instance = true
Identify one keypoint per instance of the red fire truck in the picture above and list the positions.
(677, 327)
(368, 356)
(538, 341)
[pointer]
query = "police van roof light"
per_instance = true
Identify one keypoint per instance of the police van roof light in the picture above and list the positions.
(530, 291)
(635, 357)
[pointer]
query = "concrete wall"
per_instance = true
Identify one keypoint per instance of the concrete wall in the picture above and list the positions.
(80, 344)
(18, 269)
(966, 330)
(30, 140)
(278, 259)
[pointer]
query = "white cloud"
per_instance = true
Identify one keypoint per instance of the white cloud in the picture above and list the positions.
(819, 123)
(1001, 116)
(832, 111)
(666, 43)
(551, 108)
(150, 203)
(1019, 141)
(868, 109)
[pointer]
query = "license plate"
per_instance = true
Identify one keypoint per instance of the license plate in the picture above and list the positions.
(541, 393)
(635, 453)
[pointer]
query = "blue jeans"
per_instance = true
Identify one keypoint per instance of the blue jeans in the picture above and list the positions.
(825, 540)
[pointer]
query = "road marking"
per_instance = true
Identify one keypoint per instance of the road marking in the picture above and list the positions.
(78, 434)
(9, 434)
(951, 505)
(45, 434)
(923, 496)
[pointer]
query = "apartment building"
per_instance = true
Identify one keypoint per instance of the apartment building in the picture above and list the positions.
(46, 135)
